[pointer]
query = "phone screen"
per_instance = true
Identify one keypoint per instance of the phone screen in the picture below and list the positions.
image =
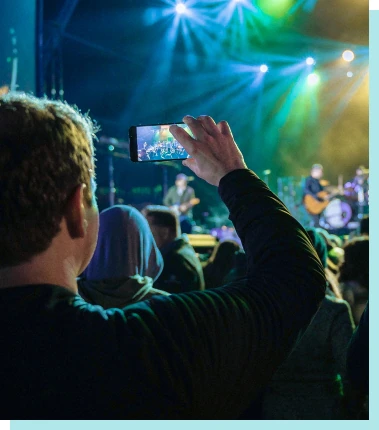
(156, 143)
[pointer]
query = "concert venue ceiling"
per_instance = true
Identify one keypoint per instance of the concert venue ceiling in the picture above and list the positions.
(142, 61)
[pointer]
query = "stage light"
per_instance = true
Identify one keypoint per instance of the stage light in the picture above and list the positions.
(263, 68)
(349, 74)
(180, 8)
(313, 79)
(310, 61)
(275, 8)
(348, 55)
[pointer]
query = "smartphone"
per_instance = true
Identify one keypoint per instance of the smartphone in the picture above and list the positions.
(156, 143)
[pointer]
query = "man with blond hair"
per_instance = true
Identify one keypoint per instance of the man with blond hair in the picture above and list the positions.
(192, 355)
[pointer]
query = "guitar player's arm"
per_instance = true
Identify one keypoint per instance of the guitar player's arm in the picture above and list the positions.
(168, 199)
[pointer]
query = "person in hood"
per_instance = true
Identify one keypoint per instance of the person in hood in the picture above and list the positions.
(126, 261)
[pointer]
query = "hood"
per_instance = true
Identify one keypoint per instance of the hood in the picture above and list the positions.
(117, 293)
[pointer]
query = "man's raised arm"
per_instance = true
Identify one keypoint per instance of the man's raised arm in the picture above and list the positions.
(216, 349)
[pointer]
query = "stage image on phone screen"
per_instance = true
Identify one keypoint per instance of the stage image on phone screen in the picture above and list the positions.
(155, 142)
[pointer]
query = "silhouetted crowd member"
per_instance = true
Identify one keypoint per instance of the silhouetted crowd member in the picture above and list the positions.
(203, 354)
(239, 270)
(354, 275)
(126, 261)
(182, 268)
(324, 247)
(364, 226)
(358, 355)
(220, 263)
(336, 253)
(311, 382)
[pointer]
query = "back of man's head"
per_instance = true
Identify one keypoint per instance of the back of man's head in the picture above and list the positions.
(163, 222)
(46, 152)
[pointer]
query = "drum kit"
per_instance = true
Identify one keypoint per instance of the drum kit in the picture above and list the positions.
(345, 210)
(350, 205)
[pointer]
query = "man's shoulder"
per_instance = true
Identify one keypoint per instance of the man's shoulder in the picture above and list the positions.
(54, 299)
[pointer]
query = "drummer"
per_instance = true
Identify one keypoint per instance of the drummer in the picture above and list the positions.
(357, 189)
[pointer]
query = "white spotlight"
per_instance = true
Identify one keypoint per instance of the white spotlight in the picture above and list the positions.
(263, 68)
(181, 8)
(349, 74)
(348, 55)
(313, 79)
(310, 61)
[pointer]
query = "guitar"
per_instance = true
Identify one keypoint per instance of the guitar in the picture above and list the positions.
(184, 207)
(314, 206)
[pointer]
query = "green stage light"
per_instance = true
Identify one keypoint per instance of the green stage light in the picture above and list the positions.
(275, 8)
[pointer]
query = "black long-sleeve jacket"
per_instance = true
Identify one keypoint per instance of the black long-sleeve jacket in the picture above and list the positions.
(192, 355)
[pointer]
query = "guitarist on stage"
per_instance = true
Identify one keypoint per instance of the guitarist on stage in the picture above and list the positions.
(181, 198)
(315, 190)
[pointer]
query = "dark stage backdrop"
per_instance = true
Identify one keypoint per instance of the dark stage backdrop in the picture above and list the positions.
(17, 45)
(132, 62)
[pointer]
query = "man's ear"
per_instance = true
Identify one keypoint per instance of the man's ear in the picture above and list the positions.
(75, 213)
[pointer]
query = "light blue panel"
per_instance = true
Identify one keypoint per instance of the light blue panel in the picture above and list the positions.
(374, 210)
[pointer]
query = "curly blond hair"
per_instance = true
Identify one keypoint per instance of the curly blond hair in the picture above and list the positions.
(46, 150)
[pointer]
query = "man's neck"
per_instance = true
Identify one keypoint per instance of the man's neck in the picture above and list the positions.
(39, 272)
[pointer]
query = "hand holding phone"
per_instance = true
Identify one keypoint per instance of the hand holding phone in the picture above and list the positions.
(212, 148)
(156, 143)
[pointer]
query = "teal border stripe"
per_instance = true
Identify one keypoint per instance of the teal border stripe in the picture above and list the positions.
(374, 209)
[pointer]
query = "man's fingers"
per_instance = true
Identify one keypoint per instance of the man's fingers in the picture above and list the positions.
(209, 125)
(196, 127)
(183, 138)
(190, 163)
(223, 126)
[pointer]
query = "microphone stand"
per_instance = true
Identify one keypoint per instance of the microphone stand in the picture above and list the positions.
(266, 174)
(112, 189)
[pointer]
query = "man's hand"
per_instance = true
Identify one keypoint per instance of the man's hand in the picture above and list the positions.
(213, 150)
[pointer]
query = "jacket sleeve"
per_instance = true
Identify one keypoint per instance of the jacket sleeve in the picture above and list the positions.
(167, 200)
(216, 349)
